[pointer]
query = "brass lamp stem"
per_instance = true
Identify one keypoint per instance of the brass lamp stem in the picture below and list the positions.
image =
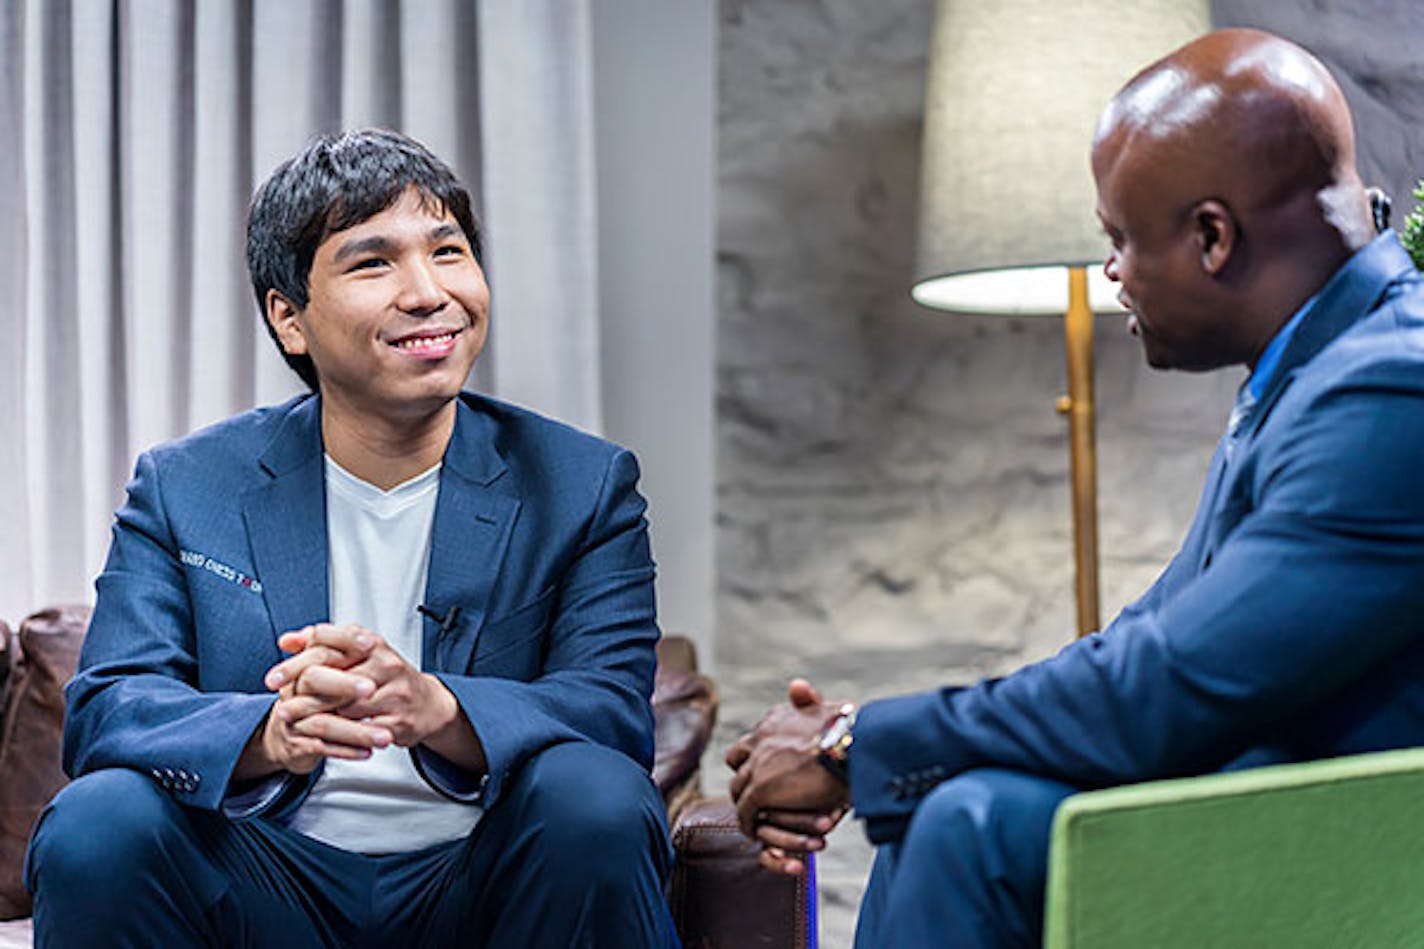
(1082, 444)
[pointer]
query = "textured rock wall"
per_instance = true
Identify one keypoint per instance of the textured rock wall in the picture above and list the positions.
(893, 482)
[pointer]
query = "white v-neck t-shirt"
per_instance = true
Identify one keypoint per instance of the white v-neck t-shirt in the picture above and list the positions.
(378, 545)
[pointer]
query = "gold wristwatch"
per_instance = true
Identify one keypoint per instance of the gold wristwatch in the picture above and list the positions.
(833, 746)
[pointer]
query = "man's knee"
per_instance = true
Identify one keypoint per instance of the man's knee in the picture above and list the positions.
(591, 799)
(95, 827)
(971, 863)
(998, 813)
(575, 853)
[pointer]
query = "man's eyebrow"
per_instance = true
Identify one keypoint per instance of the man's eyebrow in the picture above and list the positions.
(365, 245)
(378, 244)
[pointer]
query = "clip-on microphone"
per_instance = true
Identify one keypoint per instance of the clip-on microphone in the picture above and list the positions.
(448, 622)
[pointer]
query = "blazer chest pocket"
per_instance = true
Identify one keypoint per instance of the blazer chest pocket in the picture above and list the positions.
(512, 647)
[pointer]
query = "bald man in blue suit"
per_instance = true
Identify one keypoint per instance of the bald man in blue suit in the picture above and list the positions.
(1290, 625)
(371, 667)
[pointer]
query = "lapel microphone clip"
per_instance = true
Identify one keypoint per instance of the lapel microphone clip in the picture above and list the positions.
(447, 622)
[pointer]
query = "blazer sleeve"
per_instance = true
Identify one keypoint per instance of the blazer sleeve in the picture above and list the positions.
(597, 676)
(134, 701)
(1319, 583)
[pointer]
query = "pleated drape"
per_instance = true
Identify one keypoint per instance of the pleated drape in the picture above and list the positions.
(132, 133)
(542, 207)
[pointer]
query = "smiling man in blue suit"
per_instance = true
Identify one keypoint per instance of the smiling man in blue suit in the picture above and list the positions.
(1290, 625)
(370, 667)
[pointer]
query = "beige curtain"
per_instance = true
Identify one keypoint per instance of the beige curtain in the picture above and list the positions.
(541, 205)
(131, 135)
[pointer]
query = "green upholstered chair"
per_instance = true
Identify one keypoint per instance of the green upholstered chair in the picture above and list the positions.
(1327, 854)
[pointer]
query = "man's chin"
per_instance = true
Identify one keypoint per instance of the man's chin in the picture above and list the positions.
(427, 394)
(1157, 359)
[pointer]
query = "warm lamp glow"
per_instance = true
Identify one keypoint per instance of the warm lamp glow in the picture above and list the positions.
(1022, 291)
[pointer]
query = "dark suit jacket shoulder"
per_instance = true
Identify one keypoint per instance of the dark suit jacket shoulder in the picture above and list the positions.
(1290, 625)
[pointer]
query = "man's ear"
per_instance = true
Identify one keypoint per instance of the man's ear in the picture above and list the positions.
(282, 317)
(1217, 234)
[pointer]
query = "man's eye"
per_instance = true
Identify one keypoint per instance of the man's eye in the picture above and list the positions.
(369, 263)
(450, 250)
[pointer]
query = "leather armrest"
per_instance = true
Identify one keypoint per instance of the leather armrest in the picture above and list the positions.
(684, 713)
(722, 897)
(30, 772)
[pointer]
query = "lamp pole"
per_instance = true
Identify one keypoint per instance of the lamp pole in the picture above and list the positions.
(1006, 192)
(1082, 447)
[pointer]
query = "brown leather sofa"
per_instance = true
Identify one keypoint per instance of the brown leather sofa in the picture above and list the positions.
(720, 896)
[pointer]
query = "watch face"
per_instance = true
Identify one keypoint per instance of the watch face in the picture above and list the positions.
(836, 739)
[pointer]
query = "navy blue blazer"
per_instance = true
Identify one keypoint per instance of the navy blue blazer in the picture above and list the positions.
(539, 537)
(1290, 625)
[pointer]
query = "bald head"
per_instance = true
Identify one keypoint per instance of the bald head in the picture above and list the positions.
(1239, 147)
(1247, 116)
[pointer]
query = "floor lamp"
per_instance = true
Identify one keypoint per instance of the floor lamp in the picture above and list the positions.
(1006, 195)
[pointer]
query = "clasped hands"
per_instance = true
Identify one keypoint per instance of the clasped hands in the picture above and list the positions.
(786, 799)
(344, 693)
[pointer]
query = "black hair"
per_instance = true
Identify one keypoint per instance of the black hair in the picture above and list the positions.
(337, 182)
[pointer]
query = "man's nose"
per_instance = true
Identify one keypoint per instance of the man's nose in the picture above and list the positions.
(422, 293)
(1110, 267)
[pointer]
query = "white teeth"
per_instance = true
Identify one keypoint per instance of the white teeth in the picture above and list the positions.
(422, 342)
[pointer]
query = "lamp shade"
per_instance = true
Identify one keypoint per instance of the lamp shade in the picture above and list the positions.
(1014, 91)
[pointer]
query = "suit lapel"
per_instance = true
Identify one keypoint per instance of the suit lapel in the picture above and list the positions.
(473, 526)
(1198, 541)
(286, 522)
(1347, 298)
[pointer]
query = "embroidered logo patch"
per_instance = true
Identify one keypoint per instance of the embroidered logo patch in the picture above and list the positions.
(202, 561)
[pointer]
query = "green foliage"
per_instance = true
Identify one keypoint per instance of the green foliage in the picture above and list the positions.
(1413, 234)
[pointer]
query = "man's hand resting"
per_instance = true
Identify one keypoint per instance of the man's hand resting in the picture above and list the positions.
(786, 799)
(346, 692)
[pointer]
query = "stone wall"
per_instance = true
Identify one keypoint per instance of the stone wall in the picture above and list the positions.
(892, 481)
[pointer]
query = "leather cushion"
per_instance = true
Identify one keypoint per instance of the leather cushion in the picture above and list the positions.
(684, 707)
(33, 726)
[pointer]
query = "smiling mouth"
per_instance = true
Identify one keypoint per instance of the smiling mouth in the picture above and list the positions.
(427, 344)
